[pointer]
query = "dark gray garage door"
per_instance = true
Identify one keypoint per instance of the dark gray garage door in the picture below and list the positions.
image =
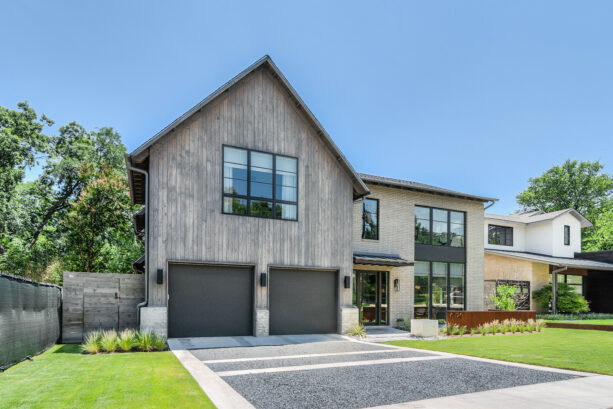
(302, 302)
(209, 301)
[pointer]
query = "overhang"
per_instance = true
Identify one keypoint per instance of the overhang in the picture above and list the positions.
(380, 259)
(554, 261)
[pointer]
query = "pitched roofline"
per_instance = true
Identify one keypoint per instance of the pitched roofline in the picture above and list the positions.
(584, 222)
(421, 187)
(359, 187)
(557, 261)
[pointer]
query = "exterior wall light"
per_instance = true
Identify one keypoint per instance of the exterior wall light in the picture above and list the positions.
(263, 279)
(396, 284)
(160, 276)
(347, 282)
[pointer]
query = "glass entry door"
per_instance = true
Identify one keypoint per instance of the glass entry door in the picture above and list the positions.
(372, 291)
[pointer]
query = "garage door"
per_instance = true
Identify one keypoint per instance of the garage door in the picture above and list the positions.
(302, 302)
(209, 301)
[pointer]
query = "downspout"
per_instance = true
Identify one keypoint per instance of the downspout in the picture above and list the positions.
(554, 288)
(490, 205)
(144, 303)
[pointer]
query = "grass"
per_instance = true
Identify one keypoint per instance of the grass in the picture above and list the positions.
(596, 322)
(582, 350)
(64, 378)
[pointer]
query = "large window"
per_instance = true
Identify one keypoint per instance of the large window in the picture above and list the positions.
(370, 219)
(438, 287)
(259, 184)
(439, 227)
(500, 235)
(567, 235)
(574, 281)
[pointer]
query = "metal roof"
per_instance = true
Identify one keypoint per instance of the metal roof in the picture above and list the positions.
(556, 261)
(359, 187)
(421, 187)
(538, 216)
(379, 259)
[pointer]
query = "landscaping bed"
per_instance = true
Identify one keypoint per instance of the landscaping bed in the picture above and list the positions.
(128, 340)
(579, 325)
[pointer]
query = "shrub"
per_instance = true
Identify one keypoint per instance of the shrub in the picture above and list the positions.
(514, 326)
(522, 327)
(108, 340)
(145, 341)
(568, 299)
(540, 324)
(159, 343)
(92, 342)
(127, 340)
(493, 327)
(453, 329)
(575, 316)
(531, 325)
(473, 331)
(483, 329)
(357, 331)
(462, 330)
(504, 299)
(505, 326)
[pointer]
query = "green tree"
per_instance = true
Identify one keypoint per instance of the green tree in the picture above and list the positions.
(568, 299)
(21, 143)
(505, 297)
(602, 237)
(582, 186)
(98, 224)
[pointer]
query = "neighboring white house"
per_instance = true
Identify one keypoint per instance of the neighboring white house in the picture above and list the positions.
(524, 249)
(556, 234)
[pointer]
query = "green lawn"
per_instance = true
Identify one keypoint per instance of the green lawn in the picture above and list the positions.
(583, 350)
(63, 378)
(597, 322)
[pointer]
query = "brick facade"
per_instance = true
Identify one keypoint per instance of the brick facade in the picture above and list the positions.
(396, 236)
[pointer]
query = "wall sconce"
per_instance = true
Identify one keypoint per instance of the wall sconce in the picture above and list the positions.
(160, 277)
(396, 284)
(263, 279)
(347, 282)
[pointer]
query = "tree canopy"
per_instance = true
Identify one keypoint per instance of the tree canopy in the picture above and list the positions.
(77, 214)
(582, 186)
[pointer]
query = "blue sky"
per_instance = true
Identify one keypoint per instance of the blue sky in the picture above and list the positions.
(476, 96)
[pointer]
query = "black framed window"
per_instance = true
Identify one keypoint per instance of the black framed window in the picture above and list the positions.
(566, 235)
(439, 227)
(499, 235)
(370, 219)
(439, 286)
(259, 184)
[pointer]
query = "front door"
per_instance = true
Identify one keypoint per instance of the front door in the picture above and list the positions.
(372, 299)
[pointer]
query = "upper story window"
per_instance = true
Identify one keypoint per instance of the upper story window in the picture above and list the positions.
(259, 184)
(439, 227)
(566, 235)
(500, 235)
(370, 219)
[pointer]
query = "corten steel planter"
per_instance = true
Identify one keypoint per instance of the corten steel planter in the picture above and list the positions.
(568, 325)
(474, 319)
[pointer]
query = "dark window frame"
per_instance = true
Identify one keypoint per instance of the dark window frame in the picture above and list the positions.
(364, 218)
(250, 198)
(505, 229)
(448, 285)
(566, 235)
(431, 223)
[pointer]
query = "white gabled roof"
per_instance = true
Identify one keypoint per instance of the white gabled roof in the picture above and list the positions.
(538, 217)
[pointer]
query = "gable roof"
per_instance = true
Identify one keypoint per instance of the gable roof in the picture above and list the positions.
(554, 261)
(421, 187)
(538, 217)
(142, 152)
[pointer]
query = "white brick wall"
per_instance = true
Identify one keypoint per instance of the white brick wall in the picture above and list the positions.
(396, 236)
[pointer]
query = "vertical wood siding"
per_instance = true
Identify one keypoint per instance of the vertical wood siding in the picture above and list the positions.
(186, 220)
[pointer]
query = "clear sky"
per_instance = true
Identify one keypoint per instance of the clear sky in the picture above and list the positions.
(472, 96)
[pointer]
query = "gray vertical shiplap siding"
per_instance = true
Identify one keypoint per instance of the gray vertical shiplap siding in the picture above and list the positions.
(186, 220)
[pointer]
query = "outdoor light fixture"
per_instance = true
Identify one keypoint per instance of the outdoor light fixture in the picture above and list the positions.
(160, 277)
(396, 284)
(347, 282)
(263, 279)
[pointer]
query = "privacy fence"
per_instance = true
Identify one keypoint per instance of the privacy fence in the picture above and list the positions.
(99, 301)
(30, 318)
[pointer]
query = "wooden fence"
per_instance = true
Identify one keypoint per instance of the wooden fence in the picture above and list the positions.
(99, 301)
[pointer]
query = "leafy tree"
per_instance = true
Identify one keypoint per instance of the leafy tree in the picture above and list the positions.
(602, 237)
(578, 185)
(505, 297)
(568, 299)
(21, 140)
(100, 216)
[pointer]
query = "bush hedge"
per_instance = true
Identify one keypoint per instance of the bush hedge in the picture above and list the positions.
(125, 341)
